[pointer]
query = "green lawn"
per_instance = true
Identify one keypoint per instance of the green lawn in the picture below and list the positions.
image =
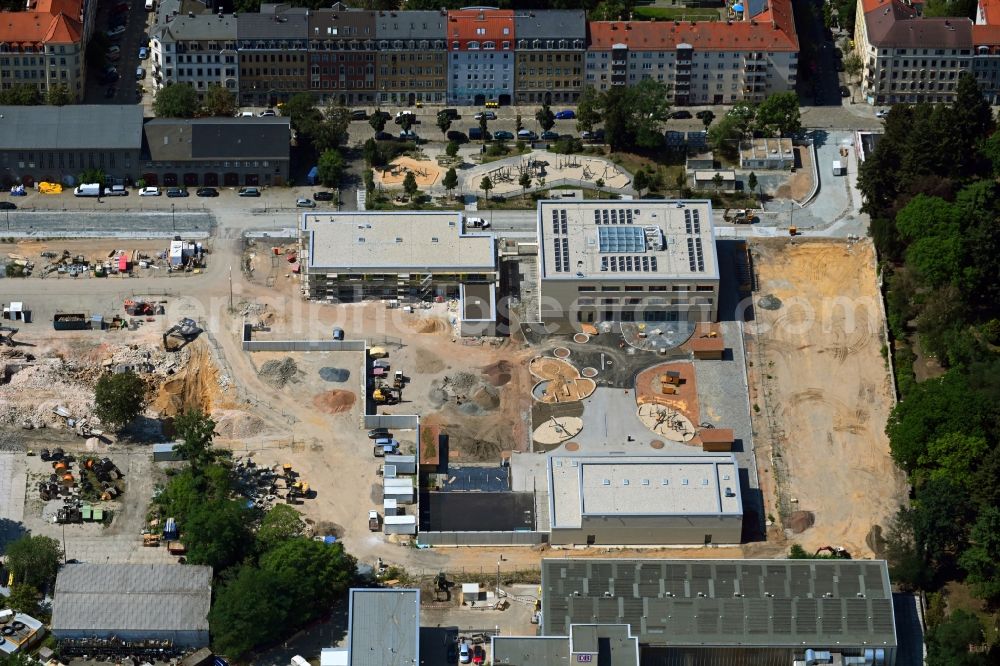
(679, 13)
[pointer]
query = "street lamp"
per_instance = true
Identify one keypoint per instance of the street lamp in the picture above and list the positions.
(173, 220)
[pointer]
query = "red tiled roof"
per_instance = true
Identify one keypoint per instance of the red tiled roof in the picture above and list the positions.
(990, 11)
(986, 35)
(48, 21)
(702, 35)
(463, 25)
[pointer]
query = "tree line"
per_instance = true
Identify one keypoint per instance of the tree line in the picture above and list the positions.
(930, 188)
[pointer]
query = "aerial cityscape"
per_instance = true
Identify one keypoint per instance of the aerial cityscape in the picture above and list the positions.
(530, 333)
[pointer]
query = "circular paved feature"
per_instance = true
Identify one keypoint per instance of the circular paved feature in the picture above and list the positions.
(589, 372)
(582, 338)
(560, 352)
(657, 444)
(572, 446)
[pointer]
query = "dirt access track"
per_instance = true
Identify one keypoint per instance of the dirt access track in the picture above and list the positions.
(823, 392)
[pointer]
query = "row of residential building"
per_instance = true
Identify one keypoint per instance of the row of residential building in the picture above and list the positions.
(58, 143)
(44, 45)
(473, 55)
(911, 58)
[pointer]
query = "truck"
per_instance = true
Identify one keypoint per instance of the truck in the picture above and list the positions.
(87, 190)
(374, 521)
(381, 450)
(398, 379)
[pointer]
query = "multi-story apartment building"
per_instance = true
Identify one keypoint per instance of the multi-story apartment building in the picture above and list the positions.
(480, 56)
(549, 55)
(342, 54)
(412, 57)
(907, 57)
(986, 49)
(196, 49)
(44, 45)
(273, 54)
(702, 62)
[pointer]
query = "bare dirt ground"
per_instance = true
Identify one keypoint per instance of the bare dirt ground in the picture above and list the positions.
(800, 182)
(822, 392)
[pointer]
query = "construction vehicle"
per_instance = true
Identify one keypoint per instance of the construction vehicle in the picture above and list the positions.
(150, 540)
(398, 380)
(384, 395)
(186, 330)
(836, 551)
(793, 231)
(7, 336)
(374, 521)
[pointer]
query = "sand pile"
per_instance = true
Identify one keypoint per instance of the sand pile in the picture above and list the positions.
(800, 521)
(237, 424)
(486, 398)
(499, 373)
(334, 402)
(278, 373)
(334, 374)
(427, 325)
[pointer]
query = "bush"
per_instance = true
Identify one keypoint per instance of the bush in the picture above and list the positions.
(119, 398)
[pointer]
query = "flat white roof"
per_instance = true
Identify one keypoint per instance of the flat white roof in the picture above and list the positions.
(397, 242)
(627, 240)
(664, 485)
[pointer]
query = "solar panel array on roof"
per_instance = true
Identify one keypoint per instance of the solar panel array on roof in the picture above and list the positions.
(724, 602)
(692, 221)
(628, 264)
(561, 253)
(696, 255)
(559, 224)
(613, 215)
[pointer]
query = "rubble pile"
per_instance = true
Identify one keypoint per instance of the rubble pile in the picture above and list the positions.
(146, 359)
(278, 373)
(35, 389)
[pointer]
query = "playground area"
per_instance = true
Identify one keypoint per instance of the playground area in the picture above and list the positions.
(426, 172)
(667, 396)
(554, 168)
(561, 381)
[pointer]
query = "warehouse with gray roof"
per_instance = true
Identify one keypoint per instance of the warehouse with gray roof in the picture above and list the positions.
(133, 602)
(383, 629)
(706, 612)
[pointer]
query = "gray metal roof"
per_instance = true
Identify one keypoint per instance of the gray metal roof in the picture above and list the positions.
(197, 28)
(610, 641)
(755, 603)
(71, 127)
(286, 24)
(531, 650)
(384, 627)
(132, 597)
(172, 139)
(550, 24)
(423, 24)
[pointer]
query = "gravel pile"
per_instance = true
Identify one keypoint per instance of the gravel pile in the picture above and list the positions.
(334, 374)
(278, 373)
(769, 302)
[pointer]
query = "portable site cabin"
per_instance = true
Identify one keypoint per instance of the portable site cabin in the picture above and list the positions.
(400, 525)
(403, 464)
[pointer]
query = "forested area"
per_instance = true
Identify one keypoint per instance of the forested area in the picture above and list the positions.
(931, 190)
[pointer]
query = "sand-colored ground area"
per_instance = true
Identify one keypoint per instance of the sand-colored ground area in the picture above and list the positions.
(799, 183)
(505, 173)
(558, 429)
(822, 392)
(561, 381)
(681, 414)
(426, 172)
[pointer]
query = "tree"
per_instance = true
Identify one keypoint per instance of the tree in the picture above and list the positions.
(34, 560)
(982, 559)
(443, 122)
(940, 519)
(369, 181)
(331, 167)
(241, 602)
(779, 114)
(59, 95)
(406, 121)
(119, 398)
(953, 456)
(319, 573)
(219, 101)
(600, 184)
(525, 182)
(410, 184)
(279, 525)
(195, 430)
(176, 100)
(483, 126)
(450, 181)
(518, 125)
(20, 94)
(853, 65)
(948, 643)
(640, 181)
(451, 150)
(706, 118)
(906, 565)
(370, 151)
(633, 115)
(717, 180)
(486, 185)
(24, 598)
(752, 182)
(588, 113)
(546, 119)
(378, 120)
(217, 533)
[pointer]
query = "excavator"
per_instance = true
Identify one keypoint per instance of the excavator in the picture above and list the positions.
(7, 336)
(835, 551)
(186, 330)
(384, 395)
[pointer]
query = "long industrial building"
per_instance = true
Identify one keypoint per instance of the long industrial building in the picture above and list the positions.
(627, 261)
(710, 612)
(644, 500)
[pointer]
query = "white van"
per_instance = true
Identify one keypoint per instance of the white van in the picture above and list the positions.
(150, 5)
(88, 190)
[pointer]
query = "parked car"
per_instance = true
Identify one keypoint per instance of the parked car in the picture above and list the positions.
(503, 135)
(457, 137)
(478, 654)
(249, 192)
(140, 73)
(452, 653)
(476, 134)
(109, 75)
(175, 192)
(359, 114)
(143, 52)
(207, 192)
(681, 115)
(115, 32)
(882, 113)
(596, 135)
(527, 135)
(489, 115)
(704, 113)
(408, 135)
(303, 202)
(323, 196)
(379, 433)
(117, 20)
(565, 114)
(151, 191)
(113, 51)
(267, 113)
(464, 653)
(550, 136)
(8, 205)
(399, 117)
(338, 333)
